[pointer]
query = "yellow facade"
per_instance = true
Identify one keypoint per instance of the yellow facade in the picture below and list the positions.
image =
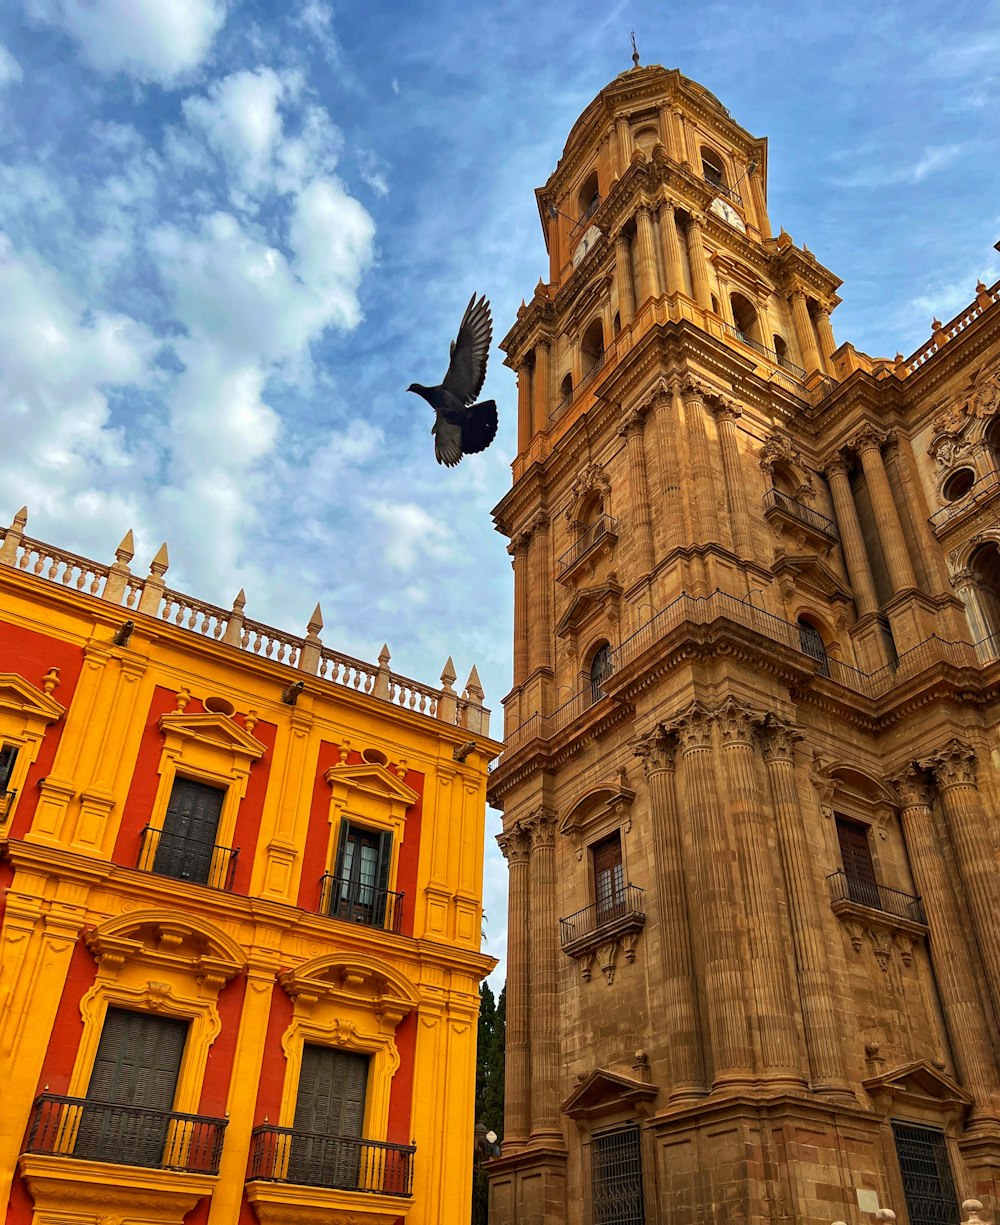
(113, 691)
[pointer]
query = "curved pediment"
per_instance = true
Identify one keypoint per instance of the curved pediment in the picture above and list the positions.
(349, 978)
(214, 731)
(594, 804)
(25, 699)
(167, 938)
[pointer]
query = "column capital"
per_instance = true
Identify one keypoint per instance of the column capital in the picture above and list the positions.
(837, 465)
(661, 390)
(543, 342)
(541, 828)
(656, 751)
(693, 728)
(736, 723)
(778, 738)
(666, 204)
(519, 543)
(645, 209)
(912, 787)
(694, 389)
(633, 422)
(696, 220)
(797, 295)
(539, 522)
(723, 408)
(515, 843)
(953, 766)
(868, 438)
(621, 238)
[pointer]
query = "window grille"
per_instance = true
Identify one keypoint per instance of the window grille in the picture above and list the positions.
(927, 1180)
(616, 1160)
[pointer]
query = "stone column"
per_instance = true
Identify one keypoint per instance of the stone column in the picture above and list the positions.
(804, 332)
(680, 989)
(855, 553)
(518, 549)
(544, 1012)
(759, 204)
(649, 279)
(949, 953)
(868, 445)
(539, 627)
(524, 413)
(680, 136)
(623, 277)
(819, 1018)
(966, 586)
(624, 132)
(540, 413)
(699, 265)
(774, 1020)
(672, 262)
(515, 843)
(726, 413)
(721, 969)
(705, 526)
(631, 429)
(827, 343)
(954, 770)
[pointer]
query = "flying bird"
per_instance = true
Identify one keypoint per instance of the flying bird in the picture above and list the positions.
(461, 426)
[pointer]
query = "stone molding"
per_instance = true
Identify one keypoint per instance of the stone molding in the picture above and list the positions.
(953, 766)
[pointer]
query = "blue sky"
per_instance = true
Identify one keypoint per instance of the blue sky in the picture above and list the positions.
(232, 234)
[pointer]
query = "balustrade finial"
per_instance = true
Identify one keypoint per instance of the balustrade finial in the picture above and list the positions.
(126, 550)
(315, 623)
(8, 550)
(473, 686)
(161, 562)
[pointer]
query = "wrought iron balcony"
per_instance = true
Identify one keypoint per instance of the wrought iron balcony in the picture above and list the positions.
(774, 499)
(975, 496)
(729, 192)
(585, 216)
(167, 854)
(125, 1135)
(603, 528)
(281, 1154)
(845, 888)
(771, 354)
(620, 911)
(355, 902)
(6, 799)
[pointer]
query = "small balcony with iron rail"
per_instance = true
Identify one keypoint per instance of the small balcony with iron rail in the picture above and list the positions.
(799, 521)
(596, 538)
(891, 919)
(353, 901)
(164, 853)
(611, 924)
(772, 355)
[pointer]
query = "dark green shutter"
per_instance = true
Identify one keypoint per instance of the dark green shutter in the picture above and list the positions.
(329, 1114)
(187, 841)
(8, 757)
(359, 893)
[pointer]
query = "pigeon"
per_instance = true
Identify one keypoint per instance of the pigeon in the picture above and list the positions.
(462, 427)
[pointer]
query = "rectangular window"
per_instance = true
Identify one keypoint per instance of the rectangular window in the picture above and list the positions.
(186, 846)
(359, 890)
(131, 1090)
(616, 1163)
(859, 868)
(329, 1118)
(927, 1181)
(609, 878)
(8, 759)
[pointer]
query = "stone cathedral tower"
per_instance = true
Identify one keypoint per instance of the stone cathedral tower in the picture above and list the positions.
(749, 780)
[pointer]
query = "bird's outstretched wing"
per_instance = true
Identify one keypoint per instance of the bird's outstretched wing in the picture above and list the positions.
(447, 442)
(470, 351)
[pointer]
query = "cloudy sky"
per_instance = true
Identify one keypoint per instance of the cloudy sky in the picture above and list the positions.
(231, 233)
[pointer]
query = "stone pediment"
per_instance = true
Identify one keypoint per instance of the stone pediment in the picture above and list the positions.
(590, 602)
(27, 700)
(916, 1084)
(809, 573)
(215, 730)
(374, 780)
(602, 1092)
(604, 804)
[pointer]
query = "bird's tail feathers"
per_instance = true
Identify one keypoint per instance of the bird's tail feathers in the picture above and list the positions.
(479, 427)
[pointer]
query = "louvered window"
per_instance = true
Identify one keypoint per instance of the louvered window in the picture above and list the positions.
(137, 1065)
(859, 868)
(927, 1181)
(616, 1164)
(8, 759)
(186, 844)
(329, 1118)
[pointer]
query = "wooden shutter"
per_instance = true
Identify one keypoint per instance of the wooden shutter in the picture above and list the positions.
(856, 857)
(8, 758)
(187, 841)
(364, 857)
(137, 1065)
(329, 1118)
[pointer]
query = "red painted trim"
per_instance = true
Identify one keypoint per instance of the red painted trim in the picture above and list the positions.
(272, 1072)
(67, 1028)
(138, 807)
(401, 1093)
(314, 861)
(219, 1069)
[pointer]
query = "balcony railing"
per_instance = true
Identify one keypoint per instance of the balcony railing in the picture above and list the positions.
(6, 799)
(623, 906)
(729, 192)
(845, 888)
(776, 500)
(771, 354)
(585, 216)
(593, 534)
(166, 854)
(976, 494)
(125, 1135)
(280, 1154)
(355, 902)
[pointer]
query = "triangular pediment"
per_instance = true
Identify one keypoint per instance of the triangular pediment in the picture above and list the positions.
(602, 1091)
(918, 1081)
(27, 700)
(374, 780)
(588, 603)
(213, 729)
(812, 574)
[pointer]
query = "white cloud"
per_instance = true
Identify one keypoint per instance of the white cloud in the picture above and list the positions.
(239, 117)
(151, 40)
(10, 69)
(411, 534)
(878, 172)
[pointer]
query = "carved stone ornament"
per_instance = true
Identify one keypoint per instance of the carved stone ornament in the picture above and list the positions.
(986, 398)
(694, 728)
(777, 449)
(515, 843)
(736, 722)
(591, 479)
(656, 751)
(954, 766)
(912, 788)
(541, 826)
(778, 739)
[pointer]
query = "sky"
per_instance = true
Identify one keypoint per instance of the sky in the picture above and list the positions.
(232, 232)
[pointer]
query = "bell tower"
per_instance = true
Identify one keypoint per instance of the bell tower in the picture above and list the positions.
(738, 979)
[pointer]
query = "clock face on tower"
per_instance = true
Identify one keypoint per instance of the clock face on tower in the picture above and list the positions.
(723, 209)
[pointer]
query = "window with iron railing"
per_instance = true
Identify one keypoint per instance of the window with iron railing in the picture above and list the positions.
(616, 1177)
(185, 847)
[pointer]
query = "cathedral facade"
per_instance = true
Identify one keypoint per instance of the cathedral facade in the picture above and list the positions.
(749, 779)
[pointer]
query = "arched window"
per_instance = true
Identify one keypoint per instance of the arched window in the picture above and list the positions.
(745, 317)
(811, 642)
(646, 139)
(985, 566)
(992, 440)
(958, 484)
(592, 347)
(588, 197)
(600, 670)
(712, 169)
(616, 324)
(784, 480)
(566, 388)
(780, 347)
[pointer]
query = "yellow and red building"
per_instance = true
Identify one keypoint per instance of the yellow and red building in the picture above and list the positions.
(240, 892)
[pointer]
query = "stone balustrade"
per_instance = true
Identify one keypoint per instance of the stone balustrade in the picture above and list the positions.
(116, 584)
(948, 331)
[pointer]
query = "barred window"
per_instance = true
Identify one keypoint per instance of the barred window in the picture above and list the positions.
(927, 1181)
(616, 1161)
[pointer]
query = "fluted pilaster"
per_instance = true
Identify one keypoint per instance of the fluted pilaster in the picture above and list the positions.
(624, 279)
(705, 526)
(736, 494)
(539, 596)
(717, 933)
(868, 445)
(773, 1019)
(624, 134)
(540, 413)
(672, 261)
(804, 332)
(827, 343)
(515, 843)
(524, 408)
(851, 539)
(632, 429)
(649, 277)
(681, 1014)
(699, 265)
(544, 998)
(822, 1033)
(518, 549)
